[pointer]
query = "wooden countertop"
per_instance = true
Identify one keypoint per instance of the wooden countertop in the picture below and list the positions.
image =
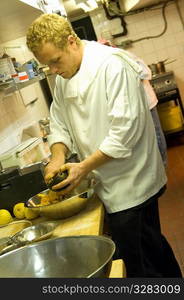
(87, 222)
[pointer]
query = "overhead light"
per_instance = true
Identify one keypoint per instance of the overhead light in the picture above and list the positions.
(87, 5)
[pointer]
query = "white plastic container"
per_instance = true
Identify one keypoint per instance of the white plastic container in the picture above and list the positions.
(28, 152)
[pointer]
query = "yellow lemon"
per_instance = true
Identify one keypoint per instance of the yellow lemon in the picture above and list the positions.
(30, 213)
(5, 217)
(19, 210)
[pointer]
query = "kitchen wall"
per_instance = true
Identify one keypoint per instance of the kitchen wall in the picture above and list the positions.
(14, 114)
(170, 45)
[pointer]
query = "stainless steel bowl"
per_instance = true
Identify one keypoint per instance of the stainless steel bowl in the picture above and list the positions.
(72, 204)
(28, 235)
(65, 257)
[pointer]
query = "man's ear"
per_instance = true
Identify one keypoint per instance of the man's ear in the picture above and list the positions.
(71, 39)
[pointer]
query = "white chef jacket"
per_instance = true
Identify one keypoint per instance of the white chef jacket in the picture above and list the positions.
(145, 76)
(104, 107)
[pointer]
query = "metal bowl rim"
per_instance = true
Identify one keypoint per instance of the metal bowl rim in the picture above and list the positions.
(51, 205)
(97, 237)
(34, 227)
(16, 222)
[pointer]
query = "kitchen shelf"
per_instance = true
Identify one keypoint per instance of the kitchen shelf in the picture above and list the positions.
(11, 86)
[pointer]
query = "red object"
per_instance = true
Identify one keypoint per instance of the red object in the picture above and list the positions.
(23, 76)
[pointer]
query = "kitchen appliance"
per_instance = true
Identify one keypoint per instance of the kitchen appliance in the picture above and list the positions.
(30, 151)
(19, 184)
(65, 257)
(164, 83)
(170, 106)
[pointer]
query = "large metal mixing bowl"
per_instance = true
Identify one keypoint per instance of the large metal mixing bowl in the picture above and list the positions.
(65, 257)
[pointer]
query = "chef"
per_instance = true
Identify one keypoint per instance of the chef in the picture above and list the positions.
(99, 111)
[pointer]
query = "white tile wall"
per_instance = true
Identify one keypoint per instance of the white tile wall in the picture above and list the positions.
(170, 45)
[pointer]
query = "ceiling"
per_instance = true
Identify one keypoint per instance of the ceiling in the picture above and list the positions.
(15, 16)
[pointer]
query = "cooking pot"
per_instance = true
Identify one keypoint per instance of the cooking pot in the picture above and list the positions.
(159, 67)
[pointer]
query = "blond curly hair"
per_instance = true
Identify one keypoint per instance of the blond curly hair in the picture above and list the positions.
(49, 28)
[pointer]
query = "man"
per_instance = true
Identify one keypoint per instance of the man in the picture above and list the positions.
(99, 111)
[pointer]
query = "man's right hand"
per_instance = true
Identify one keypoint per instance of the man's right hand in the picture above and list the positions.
(58, 152)
(51, 169)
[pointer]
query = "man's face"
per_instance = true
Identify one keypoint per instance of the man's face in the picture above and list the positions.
(62, 62)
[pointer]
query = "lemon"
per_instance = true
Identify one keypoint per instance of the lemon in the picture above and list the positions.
(5, 217)
(19, 210)
(30, 213)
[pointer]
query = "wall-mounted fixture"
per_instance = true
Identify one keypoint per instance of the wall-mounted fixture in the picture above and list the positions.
(87, 5)
(48, 6)
(111, 16)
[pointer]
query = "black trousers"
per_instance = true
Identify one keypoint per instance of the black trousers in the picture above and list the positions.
(139, 242)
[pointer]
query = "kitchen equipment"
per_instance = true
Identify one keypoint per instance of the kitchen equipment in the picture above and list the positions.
(170, 106)
(159, 67)
(28, 152)
(12, 228)
(45, 127)
(3, 243)
(153, 68)
(29, 235)
(68, 206)
(17, 222)
(19, 184)
(66, 257)
(163, 83)
(6, 68)
(170, 116)
(57, 179)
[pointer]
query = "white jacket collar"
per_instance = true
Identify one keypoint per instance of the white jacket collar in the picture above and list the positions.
(80, 83)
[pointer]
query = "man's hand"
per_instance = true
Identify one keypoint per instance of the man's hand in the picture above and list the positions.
(76, 172)
(59, 152)
(51, 170)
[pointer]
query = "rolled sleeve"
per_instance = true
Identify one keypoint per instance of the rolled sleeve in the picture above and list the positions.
(111, 148)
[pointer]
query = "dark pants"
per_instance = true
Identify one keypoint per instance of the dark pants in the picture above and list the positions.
(139, 242)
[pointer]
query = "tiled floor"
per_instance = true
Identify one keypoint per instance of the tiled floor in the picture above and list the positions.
(172, 202)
